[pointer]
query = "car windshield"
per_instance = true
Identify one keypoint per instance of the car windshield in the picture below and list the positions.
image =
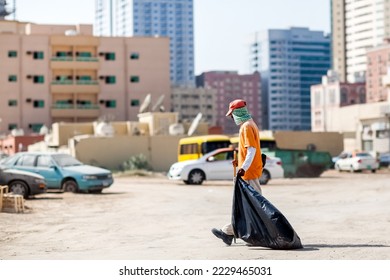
(66, 160)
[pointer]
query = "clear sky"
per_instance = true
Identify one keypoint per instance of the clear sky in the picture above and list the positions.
(223, 28)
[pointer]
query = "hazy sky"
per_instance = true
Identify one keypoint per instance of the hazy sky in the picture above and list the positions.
(223, 28)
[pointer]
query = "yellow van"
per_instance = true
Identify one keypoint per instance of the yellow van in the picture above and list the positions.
(196, 146)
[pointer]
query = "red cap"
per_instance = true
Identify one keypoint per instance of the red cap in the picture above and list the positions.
(235, 104)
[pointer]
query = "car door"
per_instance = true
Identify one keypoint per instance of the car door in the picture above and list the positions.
(219, 166)
(25, 162)
(45, 166)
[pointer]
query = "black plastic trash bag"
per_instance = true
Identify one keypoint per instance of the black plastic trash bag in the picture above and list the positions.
(256, 221)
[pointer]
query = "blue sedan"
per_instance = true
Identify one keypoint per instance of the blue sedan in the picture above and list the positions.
(62, 171)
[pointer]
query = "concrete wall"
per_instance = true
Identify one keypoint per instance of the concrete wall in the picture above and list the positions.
(111, 152)
(331, 142)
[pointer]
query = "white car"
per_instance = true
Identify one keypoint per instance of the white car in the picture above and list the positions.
(217, 165)
(356, 162)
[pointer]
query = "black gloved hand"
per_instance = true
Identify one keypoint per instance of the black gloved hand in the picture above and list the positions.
(241, 172)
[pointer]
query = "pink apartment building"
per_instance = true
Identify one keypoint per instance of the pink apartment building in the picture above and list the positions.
(229, 85)
(62, 73)
(378, 66)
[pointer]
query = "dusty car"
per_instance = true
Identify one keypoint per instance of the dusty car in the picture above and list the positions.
(62, 171)
(356, 161)
(217, 165)
(23, 182)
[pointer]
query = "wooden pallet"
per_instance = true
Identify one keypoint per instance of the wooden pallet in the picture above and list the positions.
(9, 202)
(3, 190)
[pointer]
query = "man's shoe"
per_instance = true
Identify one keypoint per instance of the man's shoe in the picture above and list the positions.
(227, 239)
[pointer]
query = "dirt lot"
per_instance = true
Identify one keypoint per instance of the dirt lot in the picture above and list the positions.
(337, 216)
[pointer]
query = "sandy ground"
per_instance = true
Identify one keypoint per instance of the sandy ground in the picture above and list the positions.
(337, 216)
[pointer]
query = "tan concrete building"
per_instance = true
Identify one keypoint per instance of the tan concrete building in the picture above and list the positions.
(62, 73)
(188, 102)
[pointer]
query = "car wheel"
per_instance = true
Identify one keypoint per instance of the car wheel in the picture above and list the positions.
(196, 177)
(70, 186)
(186, 182)
(19, 187)
(373, 170)
(265, 177)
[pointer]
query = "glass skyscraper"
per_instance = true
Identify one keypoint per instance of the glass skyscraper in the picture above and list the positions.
(170, 18)
(290, 61)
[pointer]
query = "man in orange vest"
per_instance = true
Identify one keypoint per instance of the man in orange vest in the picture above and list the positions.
(249, 156)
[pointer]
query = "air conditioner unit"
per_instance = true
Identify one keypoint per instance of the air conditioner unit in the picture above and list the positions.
(29, 76)
(28, 100)
(29, 52)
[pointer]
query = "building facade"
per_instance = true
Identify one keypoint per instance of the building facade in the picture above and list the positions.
(357, 25)
(62, 73)
(151, 18)
(230, 85)
(290, 61)
(378, 66)
(189, 101)
(332, 93)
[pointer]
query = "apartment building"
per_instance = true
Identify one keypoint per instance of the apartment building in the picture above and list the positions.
(378, 67)
(357, 25)
(332, 93)
(151, 18)
(230, 85)
(62, 73)
(290, 60)
(189, 101)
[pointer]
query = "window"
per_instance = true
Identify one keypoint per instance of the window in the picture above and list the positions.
(134, 79)
(12, 78)
(35, 127)
(44, 161)
(134, 102)
(110, 103)
(38, 55)
(134, 55)
(38, 79)
(12, 126)
(39, 103)
(109, 56)
(12, 53)
(12, 103)
(26, 160)
(110, 79)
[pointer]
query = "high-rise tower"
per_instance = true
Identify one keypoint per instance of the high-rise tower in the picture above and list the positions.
(357, 25)
(168, 18)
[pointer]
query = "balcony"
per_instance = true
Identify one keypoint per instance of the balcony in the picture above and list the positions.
(75, 111)
(69, 86)
(71, 62)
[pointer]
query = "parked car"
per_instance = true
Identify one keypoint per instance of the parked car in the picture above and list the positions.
(357, 161)
(384, 160)
(23, 182)
(62, 171)
(217, 165)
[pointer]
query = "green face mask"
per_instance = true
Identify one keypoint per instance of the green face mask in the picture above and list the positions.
(241, 115)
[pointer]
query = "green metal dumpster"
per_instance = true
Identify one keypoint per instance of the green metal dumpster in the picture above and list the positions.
(303, 163)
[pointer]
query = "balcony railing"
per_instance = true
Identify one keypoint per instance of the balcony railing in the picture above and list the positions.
(78, 82)
(78, 106)
(70, 58)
